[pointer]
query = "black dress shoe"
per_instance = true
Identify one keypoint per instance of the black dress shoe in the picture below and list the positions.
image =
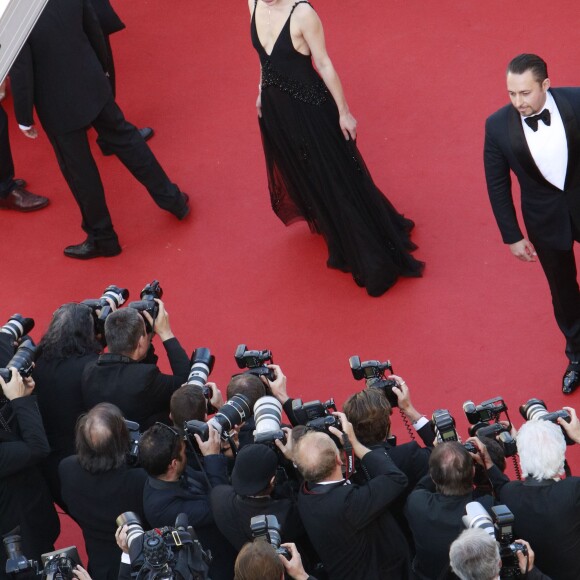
(20, 183)
(88, 250)
(571, 379)
(146, 133)
(23, 200)
(184, 210)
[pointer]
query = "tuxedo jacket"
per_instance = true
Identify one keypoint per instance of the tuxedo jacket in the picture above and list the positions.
(548, 212)
(108, 18)
(61, 69)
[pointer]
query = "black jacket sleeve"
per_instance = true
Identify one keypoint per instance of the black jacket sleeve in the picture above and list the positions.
(32, 446)
(178, 360)
(94, 33)
(22, 86)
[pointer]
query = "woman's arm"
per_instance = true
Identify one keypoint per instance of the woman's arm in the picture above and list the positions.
(313, 34)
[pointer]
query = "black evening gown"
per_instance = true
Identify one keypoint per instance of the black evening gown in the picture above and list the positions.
(315, 174)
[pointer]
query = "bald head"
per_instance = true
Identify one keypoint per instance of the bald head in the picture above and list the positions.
(317, 457)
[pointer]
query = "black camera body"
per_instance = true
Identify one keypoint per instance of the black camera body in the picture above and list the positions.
(57, 565)
(134, 439)
(22, 361)
(487, 411)
(196, 427)
(499, 432)
(445, 431)
(503, 521)
(112, 298)
(147, 303)
(255, 361)
(373, 371)
(168, 553)
(305, 412)
(266, 528)
(323, 424)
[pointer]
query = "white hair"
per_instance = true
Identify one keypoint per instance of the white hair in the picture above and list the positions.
(542, 450)
(474, 555)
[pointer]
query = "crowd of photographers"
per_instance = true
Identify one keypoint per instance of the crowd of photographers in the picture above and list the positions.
(167, 478)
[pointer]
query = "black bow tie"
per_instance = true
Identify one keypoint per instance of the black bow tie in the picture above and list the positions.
(532, 121)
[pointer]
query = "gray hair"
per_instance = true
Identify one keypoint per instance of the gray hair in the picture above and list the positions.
(474, 555)
(542, 450)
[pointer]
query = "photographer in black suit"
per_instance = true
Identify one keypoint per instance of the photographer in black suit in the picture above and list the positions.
(546, 507)
(98, 485)
(24, 498)
(435, 507)
(61, 71)
(128, 375)
(369, 412)
(350, 525)
(67, 347)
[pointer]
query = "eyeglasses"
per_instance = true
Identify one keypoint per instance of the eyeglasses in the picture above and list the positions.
(176, 433)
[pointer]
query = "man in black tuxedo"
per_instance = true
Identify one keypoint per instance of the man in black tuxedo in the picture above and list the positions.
(538, 138)
(61, 72)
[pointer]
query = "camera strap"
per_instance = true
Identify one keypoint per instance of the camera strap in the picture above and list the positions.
(348, 456)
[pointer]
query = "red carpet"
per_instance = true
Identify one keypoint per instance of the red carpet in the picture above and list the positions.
(421, 79)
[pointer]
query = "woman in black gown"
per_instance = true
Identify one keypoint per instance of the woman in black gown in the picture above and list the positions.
(315, 171)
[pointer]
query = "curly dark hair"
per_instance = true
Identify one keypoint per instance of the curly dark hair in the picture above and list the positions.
(71, 332)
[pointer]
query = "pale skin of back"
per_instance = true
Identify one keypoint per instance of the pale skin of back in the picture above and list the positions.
(308, 38)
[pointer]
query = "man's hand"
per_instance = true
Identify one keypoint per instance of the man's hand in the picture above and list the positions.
(29, 386)
(278, 385)
(226, 446)
(573, 428)
(162, 327)
(359, 449)
(81, 573)
(31, 133)
(348, 126)
(287, 448)
(523, 250)
(404, 399)
(526, 562)
(121, 538)
(15, 387)
(483, 457)
(294, 566)
(217, 399)
(213, 444)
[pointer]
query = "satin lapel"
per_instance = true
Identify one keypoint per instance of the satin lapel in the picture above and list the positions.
(521, 149)
(572, 136)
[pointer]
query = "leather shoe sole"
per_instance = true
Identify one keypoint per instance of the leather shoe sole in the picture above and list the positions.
(88, 250)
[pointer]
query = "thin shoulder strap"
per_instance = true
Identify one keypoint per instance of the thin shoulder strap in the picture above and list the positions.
(296, 4)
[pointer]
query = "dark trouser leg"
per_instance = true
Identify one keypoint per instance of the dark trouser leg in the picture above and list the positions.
(80, 171)
(124, 140)
(6, 163)
(560, 269)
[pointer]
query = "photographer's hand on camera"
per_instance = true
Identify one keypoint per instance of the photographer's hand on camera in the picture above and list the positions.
(121, 538)
(482, 457)
(80, 573)
(161, 325)
(216, 399)
(404, 398)
(526, 562)
(15, 387)
(294, 567)
(278, 385)
(347, 429)
(286, 448)
(573, 428)
(213, 444)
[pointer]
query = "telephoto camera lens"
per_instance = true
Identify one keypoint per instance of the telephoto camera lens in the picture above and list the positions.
(112, 298)
(268, 417)
(534, 409)
(133, 523)
(234, 412)
(202, 362)
(22, 361)
(18, 326)
(476, 516)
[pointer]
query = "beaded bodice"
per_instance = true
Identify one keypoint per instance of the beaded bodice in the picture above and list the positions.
(288, 70)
